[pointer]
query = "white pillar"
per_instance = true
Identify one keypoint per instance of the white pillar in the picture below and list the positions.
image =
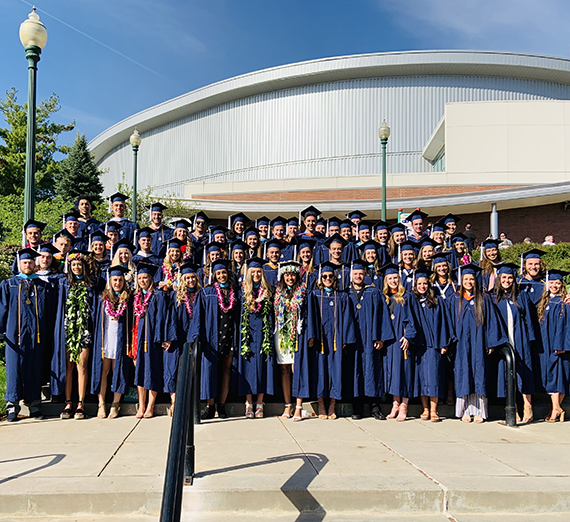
(494, 222)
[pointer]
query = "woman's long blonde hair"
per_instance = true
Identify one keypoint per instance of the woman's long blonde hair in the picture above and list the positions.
(168, 262)
(398, 296)
(130, 264)
(248, 288)
(183, 289)
(110, 294)
(545, 299)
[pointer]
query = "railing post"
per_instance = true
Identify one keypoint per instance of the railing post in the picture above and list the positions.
(510, 375)
(197, 372)
(189, 461)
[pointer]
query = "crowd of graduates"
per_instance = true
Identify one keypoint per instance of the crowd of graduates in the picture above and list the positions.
(337, 309)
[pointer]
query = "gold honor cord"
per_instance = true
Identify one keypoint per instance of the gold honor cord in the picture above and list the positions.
(103, 334)
(37, 318)
(20, 316)
(145, 331)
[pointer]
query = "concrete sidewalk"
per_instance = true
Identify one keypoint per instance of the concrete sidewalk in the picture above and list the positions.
(273, 468)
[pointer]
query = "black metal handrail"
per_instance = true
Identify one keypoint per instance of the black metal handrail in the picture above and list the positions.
(180, 464)
(508, 352)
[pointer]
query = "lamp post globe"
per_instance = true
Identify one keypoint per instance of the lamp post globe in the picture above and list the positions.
(33, 36)
(384, 134)
(135, 141)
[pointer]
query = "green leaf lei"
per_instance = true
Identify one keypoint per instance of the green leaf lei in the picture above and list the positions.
(266, 343)
(76, 322)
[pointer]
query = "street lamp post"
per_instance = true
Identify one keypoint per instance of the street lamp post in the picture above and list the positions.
(33, 36)
(384, 134)
(135, 140)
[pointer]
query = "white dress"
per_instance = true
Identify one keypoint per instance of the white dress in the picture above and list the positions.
(111, 330)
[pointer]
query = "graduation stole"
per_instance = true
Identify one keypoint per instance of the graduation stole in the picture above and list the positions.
(287, 317)
(262, 303)
(27, 293)
(76, 321)
(140, 307)
(322, 334)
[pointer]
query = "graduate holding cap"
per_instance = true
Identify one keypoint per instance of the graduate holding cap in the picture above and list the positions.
(256, 357)
(374, 328)
(218, 312)
(399, 362)
(431, 344)
(112, 330)
(515, 309)
(182, 303)
(73, 332)
(118, 207)
(26, 304)
(153, 333)
(554, 350)
(477, 330)
(332, 324)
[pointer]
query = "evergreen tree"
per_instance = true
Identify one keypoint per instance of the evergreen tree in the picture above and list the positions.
(78, 174)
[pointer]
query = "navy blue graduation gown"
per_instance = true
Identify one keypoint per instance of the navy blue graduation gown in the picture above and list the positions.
(123, 364)
(472, 343)
(160, 237)
(305, 358)
(373, 322)
(434, 334)
(27, 335)
(523, 336)
(206, 312)
(554, 335)
(59, 357)
(86, 228)
(256, 371)
(350, 253)
(383, 256)
(271, 274)
(407, 275)
(534, 289)
(399, 367)
(127, 230)
(154, 328)
(444, 291)
(333, 321)
(186, 328)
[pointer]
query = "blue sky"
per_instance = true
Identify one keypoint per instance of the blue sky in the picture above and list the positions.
(149, 51)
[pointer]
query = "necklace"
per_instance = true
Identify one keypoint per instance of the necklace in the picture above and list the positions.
(220, 296)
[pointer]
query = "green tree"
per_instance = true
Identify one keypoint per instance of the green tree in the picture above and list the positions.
(78, 174)
(13, 144)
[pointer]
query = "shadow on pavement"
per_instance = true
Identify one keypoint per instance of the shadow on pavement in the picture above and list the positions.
(57, 458)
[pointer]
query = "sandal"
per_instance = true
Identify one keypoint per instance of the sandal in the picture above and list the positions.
(466, 418)
(558, 416)
(79, 412)
(434, 417)
(285, 415)
(425, 414)
(101, 412)
(402, 413)
(66, 413)
(298, 416)
(171, 410)
(259, 411)
(249, 410)
(528, 414)
(332, 406)
(114, 412)
(322, 411)
(478, 419)
(394, 413)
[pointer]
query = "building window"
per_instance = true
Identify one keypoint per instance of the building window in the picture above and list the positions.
(439, 161)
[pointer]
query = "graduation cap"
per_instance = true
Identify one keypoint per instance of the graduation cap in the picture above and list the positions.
(251, 231)
(220, 264)
(64, 233)
(254, 262)
(122, 243)
(507, 268)
(470, 269)
(327, 267)
(144, 267)
(240, 217)
(408, 246)
(335, 238)
(369, 245)
(334, 221)
(274, 242)
(364, 225)
(556, 275)
(355, 214)
(321, 221)
(218, 229)
(397, 227)
(276, 221)
(358, 264)
(488, 244)
(310, 211)
(533, 253)
(293, 221)
(26, 253)
(213, 246)
(302, 242)
(86, 198)
(117, 196)
(390, 268)
(346, 223)
(263, 220)
(427, 241)
(47, 248)
(145, 232)
(98, 235)
(450, 218)
(188, 268)
(238, 244)
(422, 272)
(112, 226)
(200, 215)
(439, 226)
(441, 257)
(117, 270)
(69, 216)
(171, 243)
(416, 214)
(459, 236)
(157, 207)
(181, 223)
(32, 223)
(381, 225)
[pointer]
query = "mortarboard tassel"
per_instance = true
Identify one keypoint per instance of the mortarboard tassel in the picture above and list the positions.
(66, 264)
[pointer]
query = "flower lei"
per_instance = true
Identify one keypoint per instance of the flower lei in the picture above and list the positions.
(261, 303)
(220, 296)
(287, 317)
(169, 274)
(140, 306)
(110, 308)
(189, 303)
(76, 321)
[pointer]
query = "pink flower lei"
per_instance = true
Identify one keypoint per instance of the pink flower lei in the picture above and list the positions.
(140, 304)
(258, 299)
(189, 303)
(169, 273)
(115, 314)
(220, 296)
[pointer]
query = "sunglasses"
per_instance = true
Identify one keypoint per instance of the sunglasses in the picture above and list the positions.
(325, 276)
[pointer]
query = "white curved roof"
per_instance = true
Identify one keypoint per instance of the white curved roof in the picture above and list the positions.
(408, 63)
